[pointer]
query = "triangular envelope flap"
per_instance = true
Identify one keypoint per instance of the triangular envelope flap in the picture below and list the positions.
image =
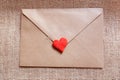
(57, 23)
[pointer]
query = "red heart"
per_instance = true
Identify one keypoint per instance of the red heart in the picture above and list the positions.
(60, 44)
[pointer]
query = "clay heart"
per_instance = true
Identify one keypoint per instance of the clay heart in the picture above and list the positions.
(60, 44)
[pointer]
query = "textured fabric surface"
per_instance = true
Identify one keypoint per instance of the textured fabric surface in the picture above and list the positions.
(10, 36)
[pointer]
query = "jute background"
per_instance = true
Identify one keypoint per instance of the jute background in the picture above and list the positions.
(10, 36)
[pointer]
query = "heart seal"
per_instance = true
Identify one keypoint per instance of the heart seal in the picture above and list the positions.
(60, 44)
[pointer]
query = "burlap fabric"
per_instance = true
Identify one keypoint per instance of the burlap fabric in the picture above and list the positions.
(10, 36)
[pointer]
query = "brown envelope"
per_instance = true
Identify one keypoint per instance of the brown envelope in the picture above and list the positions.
(83, 28)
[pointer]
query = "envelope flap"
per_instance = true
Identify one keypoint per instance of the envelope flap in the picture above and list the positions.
(57, 23)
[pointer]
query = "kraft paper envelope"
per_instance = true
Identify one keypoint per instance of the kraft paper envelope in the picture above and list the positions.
(82, 27)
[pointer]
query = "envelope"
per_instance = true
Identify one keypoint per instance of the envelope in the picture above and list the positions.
(82, 27)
